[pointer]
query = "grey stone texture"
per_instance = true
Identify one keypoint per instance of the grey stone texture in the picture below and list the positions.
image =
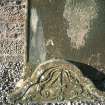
(12, 45)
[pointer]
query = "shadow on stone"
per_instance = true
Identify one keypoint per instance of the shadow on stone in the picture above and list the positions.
(96, 76)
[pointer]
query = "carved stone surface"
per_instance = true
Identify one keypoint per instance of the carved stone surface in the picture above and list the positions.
(56, 80)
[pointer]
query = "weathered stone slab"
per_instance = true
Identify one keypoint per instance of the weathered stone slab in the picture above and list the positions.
(71, 29)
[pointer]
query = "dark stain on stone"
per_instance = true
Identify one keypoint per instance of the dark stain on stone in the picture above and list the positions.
(18, 2)
(92, 74)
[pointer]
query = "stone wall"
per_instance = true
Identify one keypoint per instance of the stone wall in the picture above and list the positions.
(12, 44)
